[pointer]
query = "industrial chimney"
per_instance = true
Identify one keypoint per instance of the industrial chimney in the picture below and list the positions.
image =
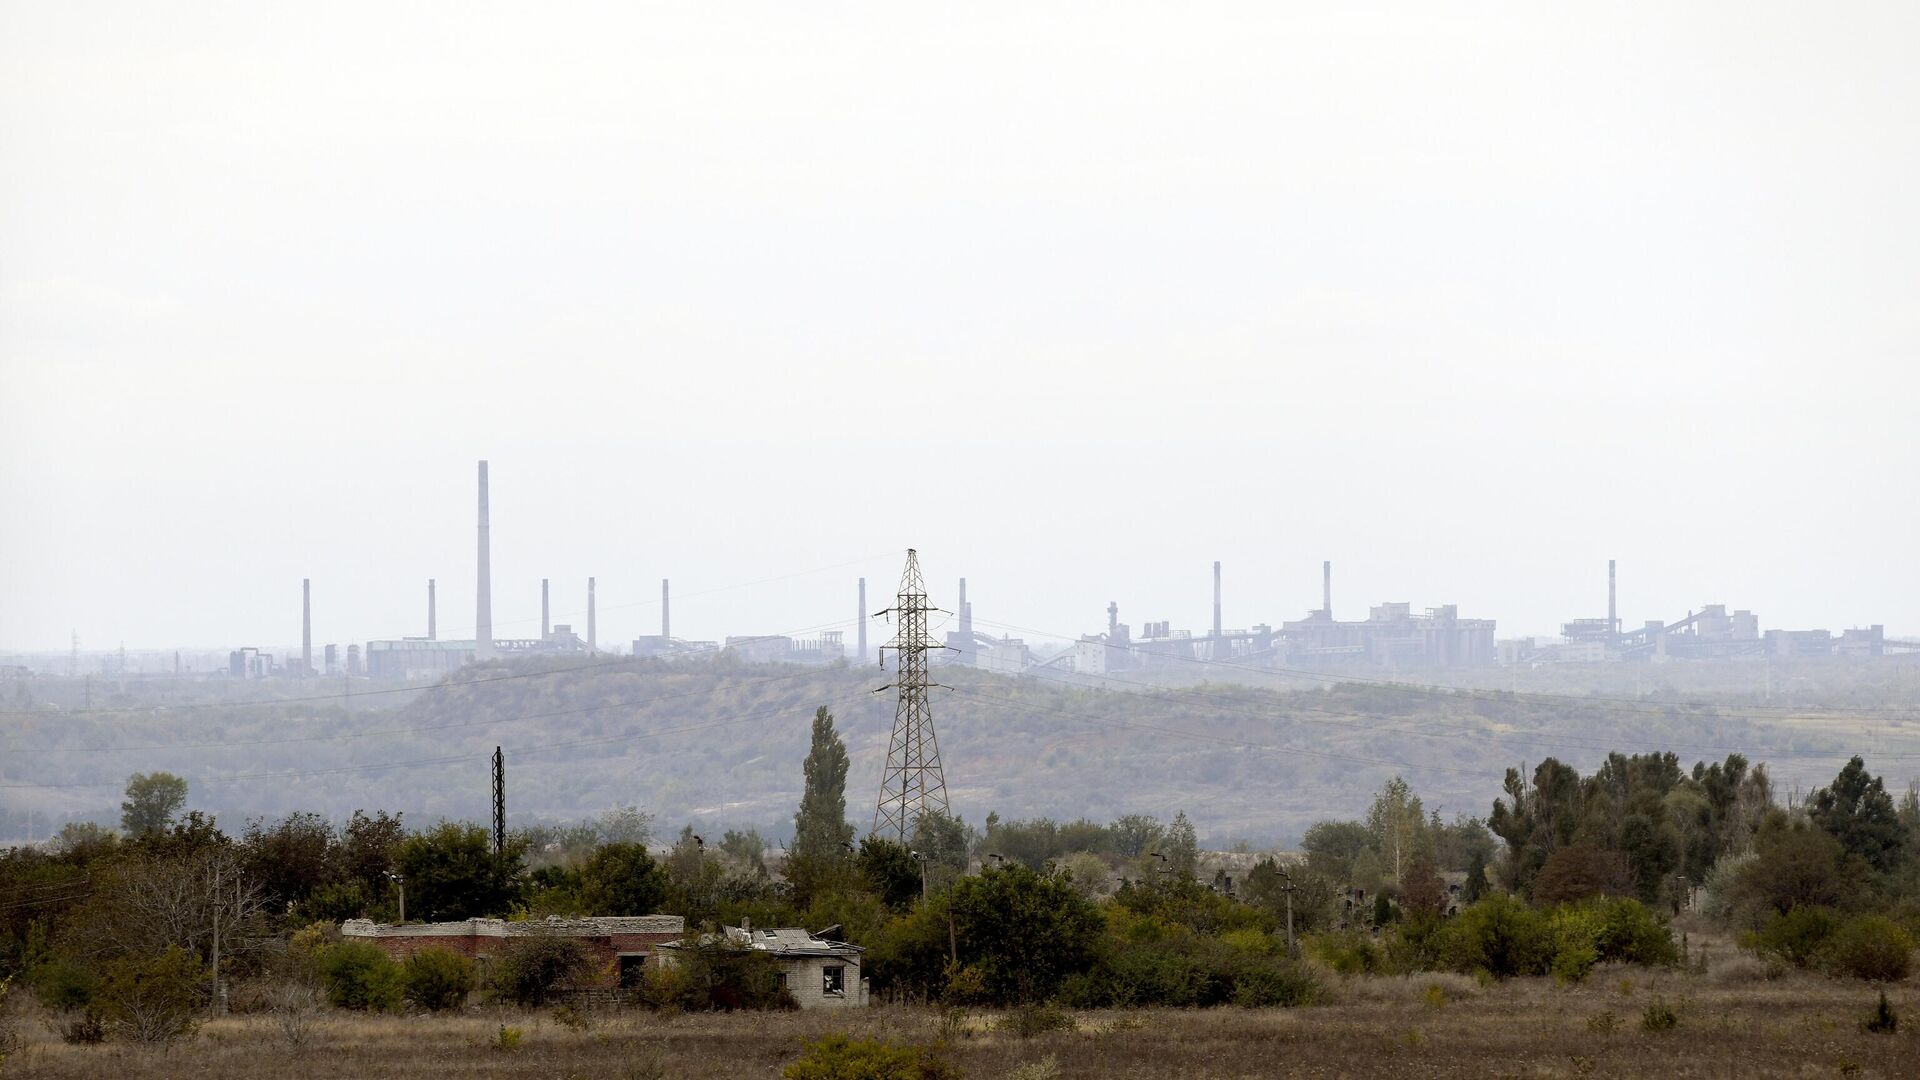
(666, 623)
(546, 629)
(306, 628)
(593, 631)
(860, 619)
(1216, 600)
(1326, 589)
(483, 616)
(1613, 612)
(433, 625)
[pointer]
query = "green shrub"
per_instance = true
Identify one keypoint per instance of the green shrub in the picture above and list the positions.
(532, 970)
(1797, 937)
(1276, 984)
(1870, 947)
(154, 998)
(360, 975)
(1347, 952)
(61, 984)
(1659, 1016)
(836, 1057)
(1501, 936)
(1026, 1021)
(1630, 932)
(507, 1039)
(437, 979)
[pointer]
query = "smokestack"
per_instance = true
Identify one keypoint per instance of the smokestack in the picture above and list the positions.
(593, 632)
(666, 623)
(483, 616)
(433, 624)
(306, 628)
(1216, 599)
(966, 613)
(1326, 587)
(860, 619)
(1613, 612)
(546, 628)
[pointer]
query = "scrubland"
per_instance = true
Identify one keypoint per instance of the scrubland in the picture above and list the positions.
(1730, 1022)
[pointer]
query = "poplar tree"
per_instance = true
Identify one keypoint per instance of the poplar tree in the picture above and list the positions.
(821, 835)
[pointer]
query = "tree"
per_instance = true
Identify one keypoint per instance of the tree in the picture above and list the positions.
(1397, 826)
(820, 829)
(1579, 871)
(624, 824)
(1332, 846)
(890, 871)
(291, 857)
(154, 997)
(451, 872)
(1796, 867)
(1136, 834)
(1182, 847)
(1857, 811)
(1422, 892)
(153, 800)
(622, 879)
(822, 838)
(367, 847)
(1022, 932)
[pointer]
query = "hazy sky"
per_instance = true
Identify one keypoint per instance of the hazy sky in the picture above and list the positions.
(1076, 298)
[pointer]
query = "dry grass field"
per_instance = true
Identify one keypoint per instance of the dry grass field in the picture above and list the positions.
(1731, 1024)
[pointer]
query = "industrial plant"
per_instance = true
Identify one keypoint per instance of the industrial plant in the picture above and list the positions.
(1394, 635)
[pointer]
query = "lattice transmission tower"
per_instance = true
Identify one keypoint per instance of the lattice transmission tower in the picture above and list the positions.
(912, 785)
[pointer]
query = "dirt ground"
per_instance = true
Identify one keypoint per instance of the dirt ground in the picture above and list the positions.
(1731, 1023)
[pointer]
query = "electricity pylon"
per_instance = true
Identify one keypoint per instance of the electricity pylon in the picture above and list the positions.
(912, 785)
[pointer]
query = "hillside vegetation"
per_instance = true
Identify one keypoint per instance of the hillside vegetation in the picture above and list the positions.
(715, 745)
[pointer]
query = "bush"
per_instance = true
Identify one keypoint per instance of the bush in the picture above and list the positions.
(1659, 1016)
(1603, 929)
(360, 975)
(1278, 984)
(1027, 1021)
(154, 998)
(1797, 937)
(90, 1027)
(718, 975)
(1347, 952)
(63, 985)
(1870, 947)
(437, 979)
(1501, 936)
(532, 970)
(836, 1057)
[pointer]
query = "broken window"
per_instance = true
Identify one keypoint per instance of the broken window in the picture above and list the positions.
(833, 980)
(632, 972)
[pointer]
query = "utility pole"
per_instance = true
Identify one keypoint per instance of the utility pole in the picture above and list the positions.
(499, 802)
(1287, 876)
(913, 784)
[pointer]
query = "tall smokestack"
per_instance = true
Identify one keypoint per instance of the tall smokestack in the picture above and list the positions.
(593, 631)
(306, 628)
(1326, 587)
(483, 615)
(966, 614)
(860, 619)
(546, 628)
(1613, 612)
(1216, 599)
(433, 624)
(666, 621)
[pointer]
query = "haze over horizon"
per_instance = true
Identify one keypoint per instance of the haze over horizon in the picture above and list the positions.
(1075, 301)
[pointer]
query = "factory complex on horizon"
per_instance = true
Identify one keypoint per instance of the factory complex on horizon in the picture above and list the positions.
(1393, 636)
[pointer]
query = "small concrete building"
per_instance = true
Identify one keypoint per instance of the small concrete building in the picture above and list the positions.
(622, 946)
(817, 971)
